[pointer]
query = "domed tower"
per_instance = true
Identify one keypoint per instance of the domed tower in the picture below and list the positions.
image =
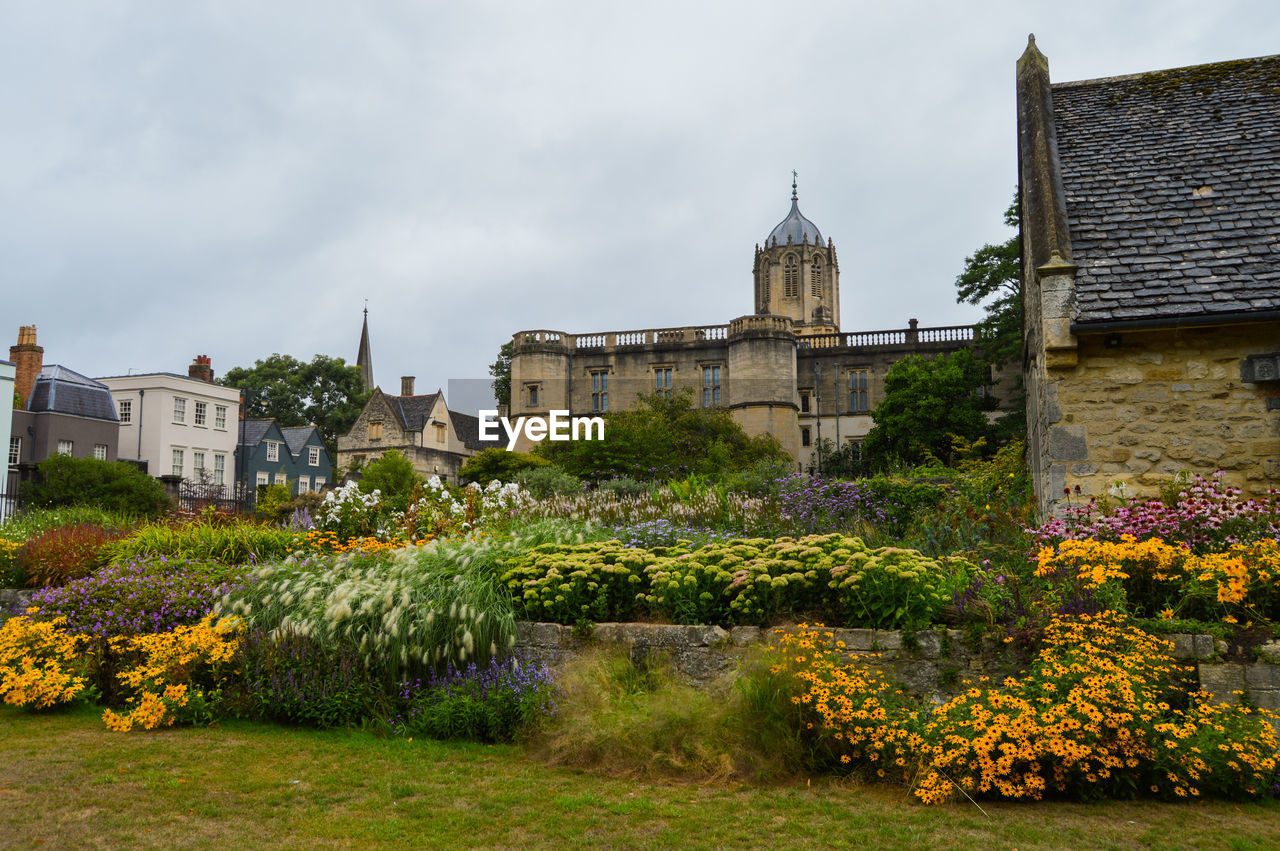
(797, 275)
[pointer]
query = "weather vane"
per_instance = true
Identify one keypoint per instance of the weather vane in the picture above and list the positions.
(794, 176)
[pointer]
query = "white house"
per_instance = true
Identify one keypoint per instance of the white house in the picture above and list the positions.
(181, 425)
(8, 371)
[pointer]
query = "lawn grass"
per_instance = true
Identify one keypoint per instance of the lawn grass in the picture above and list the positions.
(67, 781)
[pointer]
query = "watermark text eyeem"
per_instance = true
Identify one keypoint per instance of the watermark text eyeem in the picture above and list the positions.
(558, 425)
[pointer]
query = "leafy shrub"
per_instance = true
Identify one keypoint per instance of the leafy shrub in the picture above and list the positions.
(142, 596)
(576, 582)
(624, 487)
(174, 676)
(274, 503)
(65, 553)
(663, 438)
(227, 543)
(288, 677)
(497, 463)
(40, 664)
(490, 704)
(111, 485)
(739, 581)
(544, 482)
(392, 476)
(893, 588)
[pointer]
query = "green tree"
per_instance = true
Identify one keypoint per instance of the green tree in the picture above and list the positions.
(325, 391)
(664, 438)
(992, 277)
(497, 463)
(501, 372)
(393, 475)
(927, 405)
(110, 485)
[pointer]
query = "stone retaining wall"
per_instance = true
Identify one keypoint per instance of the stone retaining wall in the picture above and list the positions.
(935, 663)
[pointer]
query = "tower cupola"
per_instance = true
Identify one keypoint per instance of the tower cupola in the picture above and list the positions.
(797, 275)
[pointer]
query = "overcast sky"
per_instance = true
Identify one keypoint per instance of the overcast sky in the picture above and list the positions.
(235, 179)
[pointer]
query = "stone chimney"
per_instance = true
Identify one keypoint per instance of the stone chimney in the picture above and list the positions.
(406, 385)
(201, 369)
(29, 360)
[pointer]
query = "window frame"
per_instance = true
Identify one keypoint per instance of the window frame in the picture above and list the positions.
(660, 372)
(125, 409)
(179, 461)
(180, 409)
(712, 384)
(15, 449)
(66, 447)
(220, 417)
(313, 456)
(858, 387)
(273, 450)
(219, 468)
(599, 390)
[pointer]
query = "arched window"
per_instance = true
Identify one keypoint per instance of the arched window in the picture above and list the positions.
(815, 278)
(764, 284)
(791, 276)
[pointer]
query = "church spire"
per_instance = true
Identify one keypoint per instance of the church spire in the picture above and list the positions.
(364, 358)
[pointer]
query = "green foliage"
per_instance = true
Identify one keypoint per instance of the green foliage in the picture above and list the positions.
(274, 503)
(995, 272)
(325, 391)
(409, 613)
(994, 275)
(393, 476)
(927, 404)
(291, 678)
(893, 588)
(580, 582)
(497, 463)
(664, 438)
(64, 481)
(543, 482)
(59, 555)
(501, 372)
(631, 715)
(225, 543)
(755, 581)
(843, 462)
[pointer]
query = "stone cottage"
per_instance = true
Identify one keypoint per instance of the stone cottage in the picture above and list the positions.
(1151, 276)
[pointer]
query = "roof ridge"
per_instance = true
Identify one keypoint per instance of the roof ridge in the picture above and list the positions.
(1117, 78)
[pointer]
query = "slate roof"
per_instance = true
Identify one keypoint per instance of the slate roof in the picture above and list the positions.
(413, 411)
(296, 437)
(1172, 186)
(794, 227)
(253, 431)
(468, 431)
(64, 391)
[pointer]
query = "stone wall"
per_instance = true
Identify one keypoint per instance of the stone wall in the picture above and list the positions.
(1140, 407)
(935, 664)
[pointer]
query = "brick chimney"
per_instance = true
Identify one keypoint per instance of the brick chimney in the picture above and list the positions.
(201, 369)
(29, 360)
(406, 385)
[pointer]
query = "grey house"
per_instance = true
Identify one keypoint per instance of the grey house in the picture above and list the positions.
(64, 412)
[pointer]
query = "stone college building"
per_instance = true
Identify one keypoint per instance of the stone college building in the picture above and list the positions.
(787, 369)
